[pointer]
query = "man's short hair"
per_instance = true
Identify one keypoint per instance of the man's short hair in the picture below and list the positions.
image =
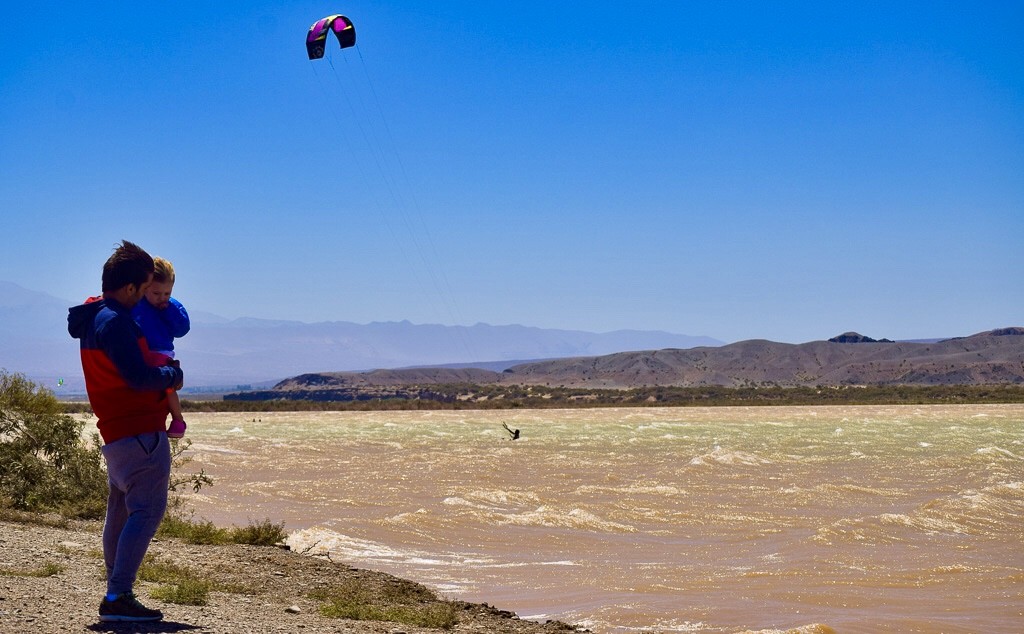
(128, 265)
(163, 271)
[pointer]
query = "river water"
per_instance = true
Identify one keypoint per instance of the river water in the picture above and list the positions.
(864, 519)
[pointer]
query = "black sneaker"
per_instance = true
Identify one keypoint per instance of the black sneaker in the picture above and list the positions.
(127, 608)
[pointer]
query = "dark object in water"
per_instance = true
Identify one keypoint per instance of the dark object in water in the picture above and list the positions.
(514, 433)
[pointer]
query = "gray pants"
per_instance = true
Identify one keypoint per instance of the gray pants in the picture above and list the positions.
(138, 469)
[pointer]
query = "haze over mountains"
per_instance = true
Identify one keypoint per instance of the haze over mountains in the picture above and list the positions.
(222, 352)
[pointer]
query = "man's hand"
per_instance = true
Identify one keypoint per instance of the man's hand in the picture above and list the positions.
(174, 363)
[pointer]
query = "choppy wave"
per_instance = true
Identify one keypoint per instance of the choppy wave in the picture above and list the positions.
(575, 518)
(326, 542)
(720, 455)
(501, 499)
(991, 512)
(216, 449)
(998, 452)
(633, 489)
(814, 628)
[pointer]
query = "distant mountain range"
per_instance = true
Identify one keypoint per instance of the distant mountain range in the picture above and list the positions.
(222, 353)
(225, 353)
(993, 357)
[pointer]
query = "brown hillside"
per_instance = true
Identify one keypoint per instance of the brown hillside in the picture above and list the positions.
(388, 378)
(993, 357)
(980, 359)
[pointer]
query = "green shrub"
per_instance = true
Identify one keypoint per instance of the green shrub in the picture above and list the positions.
(205, 532)
(264, 533)
(44, 463)
(406, 603)
(180, 481)
(193, 531)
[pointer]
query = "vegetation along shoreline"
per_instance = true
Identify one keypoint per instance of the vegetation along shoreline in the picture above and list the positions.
(491, 397)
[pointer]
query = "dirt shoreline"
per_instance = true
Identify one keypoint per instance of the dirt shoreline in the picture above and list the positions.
(272, 588)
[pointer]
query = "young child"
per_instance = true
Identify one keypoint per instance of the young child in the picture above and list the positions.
(162, 319)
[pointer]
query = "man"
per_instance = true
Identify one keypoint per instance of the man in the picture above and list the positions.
(130, 402)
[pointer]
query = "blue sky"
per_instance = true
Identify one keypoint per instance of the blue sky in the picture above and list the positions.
(789, 171)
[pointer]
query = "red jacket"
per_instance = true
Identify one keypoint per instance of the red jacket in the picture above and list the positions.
(127, 396)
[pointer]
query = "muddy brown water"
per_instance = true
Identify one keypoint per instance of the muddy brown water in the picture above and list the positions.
(864, 519)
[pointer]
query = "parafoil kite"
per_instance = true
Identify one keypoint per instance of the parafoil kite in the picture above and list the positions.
(316, 39)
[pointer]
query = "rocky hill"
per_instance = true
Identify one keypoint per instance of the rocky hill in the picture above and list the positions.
(992, 357)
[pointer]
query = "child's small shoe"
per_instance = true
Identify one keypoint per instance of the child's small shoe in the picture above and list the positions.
(176, 428)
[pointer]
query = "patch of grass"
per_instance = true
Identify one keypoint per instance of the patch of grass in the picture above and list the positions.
(205, 532)
(163, 571)
(92, 553)
(184, 592)
(409, 604)
(193, 531)
(181, 585)
(48, 569)
(8, 514)
(235, 588)
(184, 585)
(264, 533)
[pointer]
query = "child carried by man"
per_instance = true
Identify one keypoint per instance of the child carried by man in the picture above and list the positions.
(163, 319)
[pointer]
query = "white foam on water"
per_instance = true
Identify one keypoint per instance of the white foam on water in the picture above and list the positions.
(493, 502)
(405, 518)
(525, 564)
(503, 498)
(724, 456)
(578, 519)
(998, 451)
(199, 448)
(671, 625)
(323, 541)
(425, 561)
(633, 489)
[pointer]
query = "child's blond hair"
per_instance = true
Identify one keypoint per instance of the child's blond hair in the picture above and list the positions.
(163, 271)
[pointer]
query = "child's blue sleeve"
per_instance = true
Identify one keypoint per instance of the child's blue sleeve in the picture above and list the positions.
(176, 319)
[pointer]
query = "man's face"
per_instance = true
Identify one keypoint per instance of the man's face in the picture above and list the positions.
(159, 294)
(134, 294)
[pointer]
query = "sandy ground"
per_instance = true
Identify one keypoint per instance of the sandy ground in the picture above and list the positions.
(270, 589)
